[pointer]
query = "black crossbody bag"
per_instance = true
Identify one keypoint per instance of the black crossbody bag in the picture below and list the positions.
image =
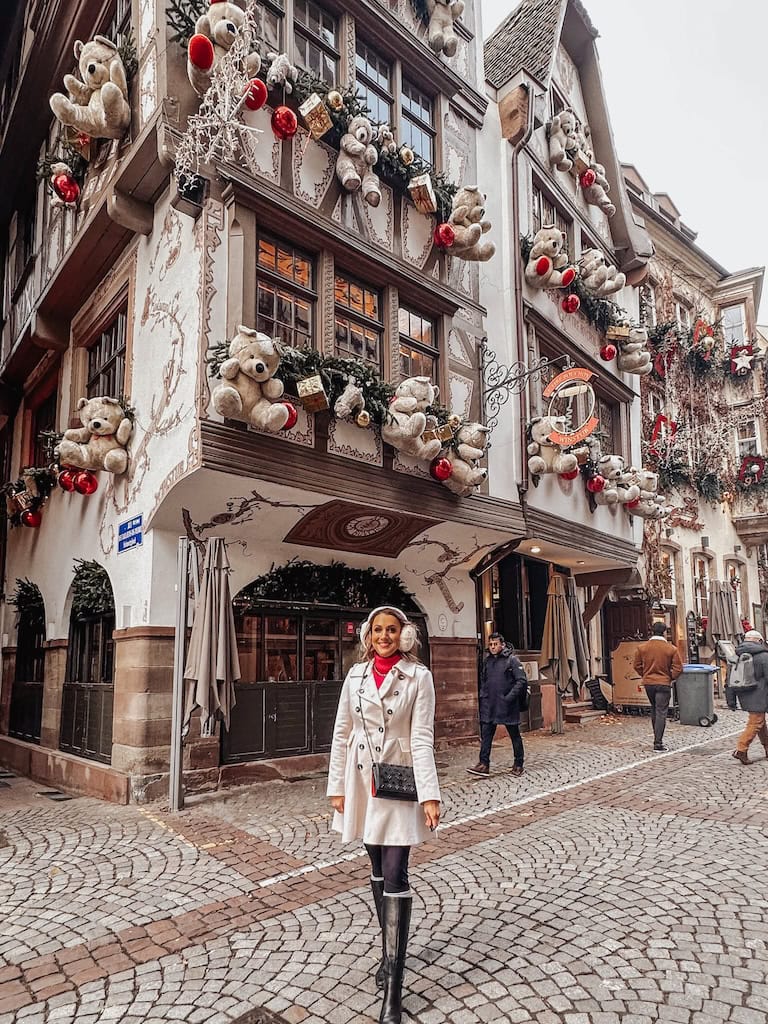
(391, 781)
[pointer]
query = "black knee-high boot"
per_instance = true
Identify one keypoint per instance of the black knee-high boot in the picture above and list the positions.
(397, 921)
(377, 888)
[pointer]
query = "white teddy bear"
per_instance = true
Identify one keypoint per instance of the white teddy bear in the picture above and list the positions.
(469, 225)
(547, 265)
(215, 32)
(472, 440)
(101, 441)
(560, 131)
(611, 469)
(441, 33)
(544, 456)
(598, 277)
(406, 419)
(281, 72)
(99, 104)
(634, 356)
(250, 392)
(357, 155)
(651, 504)
(596, 194)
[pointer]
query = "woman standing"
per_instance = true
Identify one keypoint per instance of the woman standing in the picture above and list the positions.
(386, 716)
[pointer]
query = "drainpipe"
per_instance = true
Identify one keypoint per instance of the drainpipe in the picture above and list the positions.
(517, 272)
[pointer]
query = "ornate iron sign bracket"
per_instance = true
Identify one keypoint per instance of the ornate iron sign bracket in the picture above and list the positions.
(499, 381)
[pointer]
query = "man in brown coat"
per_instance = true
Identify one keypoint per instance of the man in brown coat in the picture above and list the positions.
(658, 663)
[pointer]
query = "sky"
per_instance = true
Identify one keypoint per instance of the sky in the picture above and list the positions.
(686, 85)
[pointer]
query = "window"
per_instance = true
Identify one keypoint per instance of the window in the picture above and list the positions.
(683, 316)
(701, 585)
(119, 25)
(667, 575)
(609, 428)
(374, 83)
(545, 212)
(734, 324)
(418, 345)
(269, 27)
(557, 101)
(647, 305)
(747, 439)
(315, 41)
(418, 122)
(733, 575)
(521, 607)
(43, 419)
(285, 298)
(106, 360)
(359, 328)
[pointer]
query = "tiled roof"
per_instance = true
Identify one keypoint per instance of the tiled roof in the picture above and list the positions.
(527, 39)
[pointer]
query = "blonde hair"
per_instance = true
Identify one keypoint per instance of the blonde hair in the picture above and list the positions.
(366, 652)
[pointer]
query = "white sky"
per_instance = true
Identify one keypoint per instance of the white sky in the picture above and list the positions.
(686, 88)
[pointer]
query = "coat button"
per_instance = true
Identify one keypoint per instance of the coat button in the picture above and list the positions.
(378, 750)
(362, 746)
(381, 728)
(357, 710)
(390, 711)
(360, 767)
(397, 692)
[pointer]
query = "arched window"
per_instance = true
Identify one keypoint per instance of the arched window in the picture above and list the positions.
(86, 712)
(701, 578)
(27, 691)
(736, 576)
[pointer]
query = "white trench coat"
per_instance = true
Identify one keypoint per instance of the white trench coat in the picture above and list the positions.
(400, 721)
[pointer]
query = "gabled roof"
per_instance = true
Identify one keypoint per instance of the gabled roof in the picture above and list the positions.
(527, 39)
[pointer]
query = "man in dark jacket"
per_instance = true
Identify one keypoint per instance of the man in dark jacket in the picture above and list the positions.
(503, 685)
(754, 701)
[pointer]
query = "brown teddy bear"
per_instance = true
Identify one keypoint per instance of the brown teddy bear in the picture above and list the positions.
(101, 441)
(357, 155)
(249, 391)
(99, 104)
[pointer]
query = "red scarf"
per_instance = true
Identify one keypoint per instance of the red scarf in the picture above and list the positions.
(383, 666)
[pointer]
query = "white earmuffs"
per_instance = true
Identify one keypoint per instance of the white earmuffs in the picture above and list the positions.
(408, 637)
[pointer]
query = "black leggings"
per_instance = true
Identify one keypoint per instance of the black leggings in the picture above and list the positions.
(391, 864)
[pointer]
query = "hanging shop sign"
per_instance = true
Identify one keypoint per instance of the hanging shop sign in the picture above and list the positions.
(572, 399)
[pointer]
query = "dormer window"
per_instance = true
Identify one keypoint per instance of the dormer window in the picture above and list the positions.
(734, 324)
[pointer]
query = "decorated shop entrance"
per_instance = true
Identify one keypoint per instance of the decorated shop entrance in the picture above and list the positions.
(294, 654)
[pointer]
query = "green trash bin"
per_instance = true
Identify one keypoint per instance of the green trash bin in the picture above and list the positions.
(695, 698)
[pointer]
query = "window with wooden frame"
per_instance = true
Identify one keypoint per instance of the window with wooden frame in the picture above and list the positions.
(269, 26)
(374, 80)
(419, 344)
(417, 121)
(737, 577)
(734, 320)
(668, 574)
(358, 324)
(701, 585)
(609, 429)
(43, 407)
(285, 292)
(557, 101)
(544, 211)
(748, 439)
(105, 373)
(315, 40)
(683, 315)
(118, 27)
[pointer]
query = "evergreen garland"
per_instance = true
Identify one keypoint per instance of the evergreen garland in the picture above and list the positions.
(708, 484)
(67, 154)
(39, 479)
(182, 16)
(28, 601)
(91, 590)
(129, 56)
(337, 584)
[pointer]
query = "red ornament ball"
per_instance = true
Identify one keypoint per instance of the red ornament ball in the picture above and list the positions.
(200, 52)
(284, 123)
(632, 504)
(588, 178)
(595, 484)
(86, 482)
(255, 94)
(441, 468)
(608, 353)
(571, 303)
(293, 416)
(32, 517)
(66, 188)
(67, 480)
(570, 475)
(444, 236)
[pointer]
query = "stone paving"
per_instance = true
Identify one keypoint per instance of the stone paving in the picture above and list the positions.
(608, 885)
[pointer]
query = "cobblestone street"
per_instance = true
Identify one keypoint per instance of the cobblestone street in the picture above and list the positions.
(608, 885)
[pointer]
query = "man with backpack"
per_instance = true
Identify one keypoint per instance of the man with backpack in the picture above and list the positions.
(658, 662)
(749, 680)
(503, 695)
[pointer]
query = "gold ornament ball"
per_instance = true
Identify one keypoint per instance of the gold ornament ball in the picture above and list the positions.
(363, 419)
(335, 100)
(454, 422)
(406, 156)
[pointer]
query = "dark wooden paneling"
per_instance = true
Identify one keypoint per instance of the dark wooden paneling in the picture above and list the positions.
(26, 711)
(86, 721)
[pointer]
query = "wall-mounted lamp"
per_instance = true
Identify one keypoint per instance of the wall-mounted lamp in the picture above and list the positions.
(736, 548)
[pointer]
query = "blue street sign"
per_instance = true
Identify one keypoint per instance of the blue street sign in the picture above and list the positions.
(130, 534)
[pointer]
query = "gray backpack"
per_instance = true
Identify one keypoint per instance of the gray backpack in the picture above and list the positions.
(743, 674)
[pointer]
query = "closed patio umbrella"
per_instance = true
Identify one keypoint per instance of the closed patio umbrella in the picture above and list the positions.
(723, 622)
(578, 629)
(558, 648)
(212, 666)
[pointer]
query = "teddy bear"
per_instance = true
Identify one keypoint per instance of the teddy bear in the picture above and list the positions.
(97, 105)
(406, 419)
(215, 32)
(547, 265)
(441, 33)
(650, 504)
(469, 225)
(634, 356)
(281, 72)
(596, 194)
(386, 140)
(560, 131)
(101, 441)
(350, 402)
(597, 276)
(544, 456)
(251, 392)
(611, 469)
(471, 442)
(356, 158)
